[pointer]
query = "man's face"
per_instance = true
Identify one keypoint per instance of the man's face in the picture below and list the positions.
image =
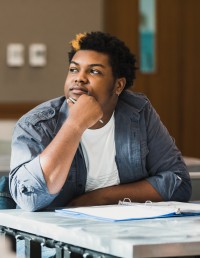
(90, 73)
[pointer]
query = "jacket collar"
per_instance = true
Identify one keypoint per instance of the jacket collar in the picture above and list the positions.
(131, 103)
(63, 114)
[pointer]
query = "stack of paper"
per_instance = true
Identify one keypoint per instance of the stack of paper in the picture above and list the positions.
(135, 211)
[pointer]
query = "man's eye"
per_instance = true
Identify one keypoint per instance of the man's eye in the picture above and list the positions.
(94, 71)
(73, 70)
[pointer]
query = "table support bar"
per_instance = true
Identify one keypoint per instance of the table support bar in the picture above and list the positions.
(34, 243)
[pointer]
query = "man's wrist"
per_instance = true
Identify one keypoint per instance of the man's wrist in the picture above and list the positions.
(75, 126)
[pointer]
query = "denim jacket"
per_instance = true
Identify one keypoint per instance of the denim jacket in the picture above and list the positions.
(144, 150)
(6, 200)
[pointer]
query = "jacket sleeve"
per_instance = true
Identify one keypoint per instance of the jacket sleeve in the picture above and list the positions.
(164, 161)
(27, 184)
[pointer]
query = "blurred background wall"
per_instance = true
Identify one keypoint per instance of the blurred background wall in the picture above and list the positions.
(52, 23)
(173, 87)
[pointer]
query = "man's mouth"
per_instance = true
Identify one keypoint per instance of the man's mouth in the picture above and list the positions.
(77, 90)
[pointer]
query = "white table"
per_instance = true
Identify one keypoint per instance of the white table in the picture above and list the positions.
(166, 237)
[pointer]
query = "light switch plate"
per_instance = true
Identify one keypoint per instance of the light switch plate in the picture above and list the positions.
(15, 55)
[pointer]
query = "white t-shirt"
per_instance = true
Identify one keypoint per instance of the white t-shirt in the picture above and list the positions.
(99, 151)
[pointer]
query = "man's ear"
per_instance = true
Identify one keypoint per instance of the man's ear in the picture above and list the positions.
(119, 86)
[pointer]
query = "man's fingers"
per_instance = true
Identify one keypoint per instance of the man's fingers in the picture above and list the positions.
(69, 102)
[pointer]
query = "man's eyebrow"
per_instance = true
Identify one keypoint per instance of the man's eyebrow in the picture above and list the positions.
(91, 65)
(73, 62)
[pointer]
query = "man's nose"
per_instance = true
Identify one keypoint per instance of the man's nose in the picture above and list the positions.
(81, 78)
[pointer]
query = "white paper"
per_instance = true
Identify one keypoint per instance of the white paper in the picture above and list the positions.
(134, 211)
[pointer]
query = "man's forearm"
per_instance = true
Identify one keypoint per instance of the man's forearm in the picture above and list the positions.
(140, 191)
(56, 159)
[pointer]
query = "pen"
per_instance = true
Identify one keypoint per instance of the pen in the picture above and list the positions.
(74, 101)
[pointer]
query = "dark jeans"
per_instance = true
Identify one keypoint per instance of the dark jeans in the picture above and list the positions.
(6, 200)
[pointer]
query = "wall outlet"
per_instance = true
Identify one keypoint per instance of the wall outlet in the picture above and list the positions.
(37, 55)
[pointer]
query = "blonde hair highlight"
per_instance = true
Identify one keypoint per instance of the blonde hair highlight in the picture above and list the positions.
(76, 42)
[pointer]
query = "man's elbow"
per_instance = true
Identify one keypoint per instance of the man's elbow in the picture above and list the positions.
(183, 193)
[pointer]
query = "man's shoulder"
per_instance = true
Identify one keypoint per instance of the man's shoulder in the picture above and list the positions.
(52, 103)
(136, 100)
(43, 111)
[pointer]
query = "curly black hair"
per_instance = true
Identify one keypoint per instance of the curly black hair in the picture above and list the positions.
(121, 59)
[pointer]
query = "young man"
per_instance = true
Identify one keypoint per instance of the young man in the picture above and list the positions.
(99, 143)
